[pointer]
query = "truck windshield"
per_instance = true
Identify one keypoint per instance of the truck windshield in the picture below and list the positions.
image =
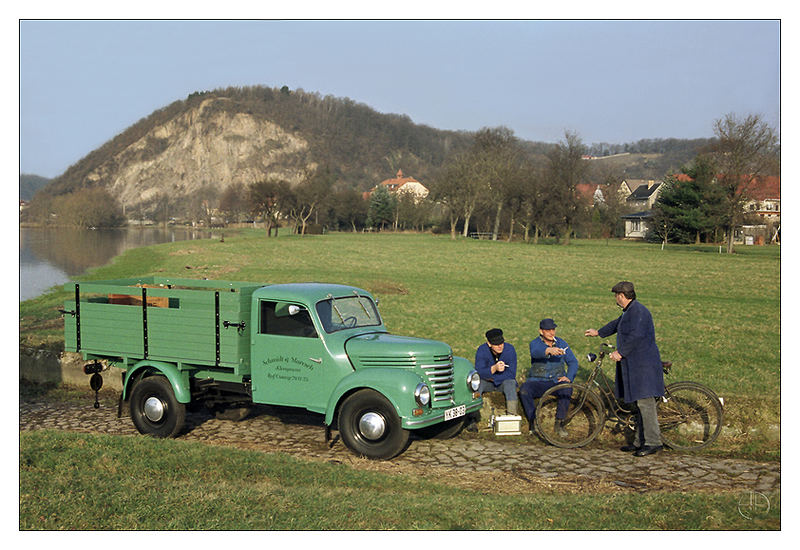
(348, 312)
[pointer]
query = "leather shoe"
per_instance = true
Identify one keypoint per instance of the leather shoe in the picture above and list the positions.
(629, 448)
(648, 450)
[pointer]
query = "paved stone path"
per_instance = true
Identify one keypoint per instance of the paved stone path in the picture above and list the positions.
(518, 462)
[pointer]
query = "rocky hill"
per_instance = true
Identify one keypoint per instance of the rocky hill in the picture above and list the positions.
(240, 136)
(210, 141)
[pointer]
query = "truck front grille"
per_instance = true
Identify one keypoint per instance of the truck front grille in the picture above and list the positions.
(440, 377)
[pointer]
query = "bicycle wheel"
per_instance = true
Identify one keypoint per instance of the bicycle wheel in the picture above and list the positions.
(689, 415)
(581, 419)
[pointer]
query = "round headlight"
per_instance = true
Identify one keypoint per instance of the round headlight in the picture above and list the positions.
(473, 381)
(422, 394)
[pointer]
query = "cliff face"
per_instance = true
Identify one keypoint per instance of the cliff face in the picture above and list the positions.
(202, 146)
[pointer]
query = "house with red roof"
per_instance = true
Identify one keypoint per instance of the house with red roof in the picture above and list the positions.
(402, 184)
(764, 196)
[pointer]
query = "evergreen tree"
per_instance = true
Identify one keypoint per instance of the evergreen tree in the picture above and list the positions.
(381, 208)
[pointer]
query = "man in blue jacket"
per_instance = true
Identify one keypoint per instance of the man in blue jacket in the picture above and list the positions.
(496, 363)
(640, 375)
(549, 357)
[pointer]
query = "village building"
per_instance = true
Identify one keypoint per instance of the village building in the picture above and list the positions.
(643, 193)
(401, 184)
(764, 201)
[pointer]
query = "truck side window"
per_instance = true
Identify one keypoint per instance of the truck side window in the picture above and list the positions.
(276, 319)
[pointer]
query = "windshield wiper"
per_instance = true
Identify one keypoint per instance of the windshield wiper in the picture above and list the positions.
(358, 296)
(336, 309)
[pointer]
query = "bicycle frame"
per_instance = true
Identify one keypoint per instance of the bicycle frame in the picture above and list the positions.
(614, 408)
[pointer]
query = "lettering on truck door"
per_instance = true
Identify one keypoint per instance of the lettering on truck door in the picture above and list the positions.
(290, 364)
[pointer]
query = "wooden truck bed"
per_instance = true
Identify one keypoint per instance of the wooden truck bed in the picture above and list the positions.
(185, 321)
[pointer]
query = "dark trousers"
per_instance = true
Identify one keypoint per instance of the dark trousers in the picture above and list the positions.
(534, 389)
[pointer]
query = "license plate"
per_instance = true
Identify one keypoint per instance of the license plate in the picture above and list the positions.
(455, 412)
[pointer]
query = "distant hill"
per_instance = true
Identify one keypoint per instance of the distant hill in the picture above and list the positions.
(197, 147)
(648, 158)
(29, 184)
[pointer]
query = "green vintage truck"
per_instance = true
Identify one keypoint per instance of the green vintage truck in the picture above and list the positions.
(229, 345)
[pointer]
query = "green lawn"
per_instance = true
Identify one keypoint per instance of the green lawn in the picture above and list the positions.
(711, 310)
(99, 482)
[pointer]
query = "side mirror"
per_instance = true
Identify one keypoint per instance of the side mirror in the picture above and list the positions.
(294, 310)
(591, 357)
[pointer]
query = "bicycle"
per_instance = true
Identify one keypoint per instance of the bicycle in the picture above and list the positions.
(689, 414)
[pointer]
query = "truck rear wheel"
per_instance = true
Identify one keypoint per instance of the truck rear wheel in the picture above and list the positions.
(154, 409)
(371, 427)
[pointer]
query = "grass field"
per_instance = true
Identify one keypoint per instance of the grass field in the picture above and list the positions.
(98, 482)
(712, 312)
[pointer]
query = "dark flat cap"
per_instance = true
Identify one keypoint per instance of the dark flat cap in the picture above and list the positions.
(494, 336)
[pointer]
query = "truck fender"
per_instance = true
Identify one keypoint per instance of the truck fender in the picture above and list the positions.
(461, 369)
(395, 385)
(462, 366)
(179, 380)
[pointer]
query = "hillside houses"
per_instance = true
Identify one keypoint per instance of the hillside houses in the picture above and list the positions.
(764, 202)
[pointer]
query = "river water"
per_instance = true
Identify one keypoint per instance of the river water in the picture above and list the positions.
(52, 256)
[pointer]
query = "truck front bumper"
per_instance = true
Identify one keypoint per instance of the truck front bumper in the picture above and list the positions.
(436, 416)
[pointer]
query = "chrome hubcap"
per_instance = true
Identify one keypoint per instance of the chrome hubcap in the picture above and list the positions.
(154, 409)
(372, 425)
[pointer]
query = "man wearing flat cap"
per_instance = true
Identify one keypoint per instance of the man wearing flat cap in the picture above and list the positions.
(640, 375)
(496, 363)
(552, 363)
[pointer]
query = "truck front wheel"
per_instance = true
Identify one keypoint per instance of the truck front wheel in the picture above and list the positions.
(154, 409)
(371, 427)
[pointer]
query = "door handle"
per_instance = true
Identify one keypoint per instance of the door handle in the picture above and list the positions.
(316, 360)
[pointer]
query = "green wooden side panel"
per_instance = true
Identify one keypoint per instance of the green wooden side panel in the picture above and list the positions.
(184, 332)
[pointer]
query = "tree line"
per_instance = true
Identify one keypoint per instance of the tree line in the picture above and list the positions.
(497, 186)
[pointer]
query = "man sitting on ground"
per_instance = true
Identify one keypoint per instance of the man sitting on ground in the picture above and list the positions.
(496, 363)
(549, 356)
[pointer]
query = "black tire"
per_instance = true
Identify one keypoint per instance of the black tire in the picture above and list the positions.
(585, 416)
(689, 416)
(443, 430)
(365, 409)
(154, 409)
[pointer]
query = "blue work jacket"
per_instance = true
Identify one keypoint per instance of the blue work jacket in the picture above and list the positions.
(640, 373)
(551, 367)
(484, 359)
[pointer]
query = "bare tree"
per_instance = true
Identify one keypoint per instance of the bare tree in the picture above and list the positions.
(747, 149)
(263, 197)
(535, 209)
(233, 201)
(310, 194)
(455, 188)
(567, 168)
(496, 155)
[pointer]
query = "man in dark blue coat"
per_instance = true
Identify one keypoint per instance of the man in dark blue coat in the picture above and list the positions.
(640, 375)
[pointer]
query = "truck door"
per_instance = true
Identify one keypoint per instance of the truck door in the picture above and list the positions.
(290, 364)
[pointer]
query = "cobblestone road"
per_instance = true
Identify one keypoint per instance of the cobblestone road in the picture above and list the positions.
(524, 461)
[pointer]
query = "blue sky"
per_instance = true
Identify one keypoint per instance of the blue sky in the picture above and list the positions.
(83, 82)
